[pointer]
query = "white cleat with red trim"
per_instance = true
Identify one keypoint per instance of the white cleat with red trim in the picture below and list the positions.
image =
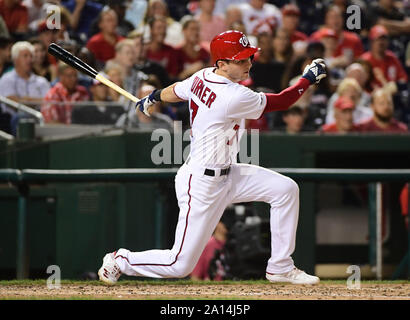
(109, 271)
(294, 276)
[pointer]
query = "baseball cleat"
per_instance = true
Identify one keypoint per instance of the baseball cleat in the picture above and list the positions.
(109, 271)
(295, 276)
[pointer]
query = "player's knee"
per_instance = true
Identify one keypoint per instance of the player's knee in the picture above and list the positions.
(182, 270)
(291, 187)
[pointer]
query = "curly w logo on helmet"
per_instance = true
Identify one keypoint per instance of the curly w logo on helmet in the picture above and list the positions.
(244, 41)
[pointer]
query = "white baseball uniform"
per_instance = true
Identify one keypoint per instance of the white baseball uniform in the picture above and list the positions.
(218, 108)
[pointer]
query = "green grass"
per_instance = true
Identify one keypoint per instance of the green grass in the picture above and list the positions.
(29, 282)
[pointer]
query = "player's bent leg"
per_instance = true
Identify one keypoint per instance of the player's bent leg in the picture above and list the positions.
(253, 183)
(201, 203)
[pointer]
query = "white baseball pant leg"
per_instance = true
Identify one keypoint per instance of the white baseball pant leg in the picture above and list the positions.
(254, 183)
(202, 201)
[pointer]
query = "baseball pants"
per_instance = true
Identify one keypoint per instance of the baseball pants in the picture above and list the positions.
(202, 200)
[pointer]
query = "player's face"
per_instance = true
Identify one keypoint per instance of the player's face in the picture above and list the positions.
(237, 70)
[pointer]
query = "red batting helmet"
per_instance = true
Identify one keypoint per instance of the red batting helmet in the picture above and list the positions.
(231, 45)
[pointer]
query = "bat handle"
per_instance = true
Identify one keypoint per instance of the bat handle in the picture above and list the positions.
(117, 88)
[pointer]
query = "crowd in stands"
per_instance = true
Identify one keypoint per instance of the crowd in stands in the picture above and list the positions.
(145, 44)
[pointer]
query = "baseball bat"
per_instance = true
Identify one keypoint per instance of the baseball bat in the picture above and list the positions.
(78, 64)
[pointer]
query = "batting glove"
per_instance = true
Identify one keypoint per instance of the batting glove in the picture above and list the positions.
(315, 71)
(145, 103)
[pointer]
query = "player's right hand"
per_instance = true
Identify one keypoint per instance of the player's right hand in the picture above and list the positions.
(146, 103)
(315, 71)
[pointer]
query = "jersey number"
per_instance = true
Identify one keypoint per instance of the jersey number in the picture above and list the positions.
(194, 108)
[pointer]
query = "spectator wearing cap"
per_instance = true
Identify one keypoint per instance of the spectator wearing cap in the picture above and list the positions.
(343, 115)
(383, 119)
(15, 16)
(192, 57)
(349, 43)
(58, 102)
(290, 20)
(102, 44)
(210, 24)
(330, 40)
(381, 58)
(158, 50)
(259, 16)
(350, 88)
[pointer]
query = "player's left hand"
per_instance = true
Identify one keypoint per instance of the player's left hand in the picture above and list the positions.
(146, 103)
(315, 71)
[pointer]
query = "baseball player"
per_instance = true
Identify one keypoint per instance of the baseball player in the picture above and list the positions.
(211, 179)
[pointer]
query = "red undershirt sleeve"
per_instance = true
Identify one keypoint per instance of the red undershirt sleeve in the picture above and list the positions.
(287, 97)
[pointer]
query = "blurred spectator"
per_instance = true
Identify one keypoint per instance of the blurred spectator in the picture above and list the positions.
(21, 84)
(294, 119)
(259, 16)
(102, 44)
(157, 119)
(58, 102)
(160, 52)
(120, 6)
(210, 24)
(330, 40)
(216, 243)
(150, 68)
(351, 89)
(388, 14)
(117, 75)
(343, 117)
(41, 65)
(290, 23)
(366, 80)
(404, 203)
(192, 57)
(64, 31)
(174, 36)
(264, 66)
(233, 15)
(5, 55)
(47, 36)
(35, 12)
(83, 14)
(357, 71)
(222, 6)
(349, 43)
(4, 32)
(383, 115)
(380, 57)
(15, 16)
(125, 57)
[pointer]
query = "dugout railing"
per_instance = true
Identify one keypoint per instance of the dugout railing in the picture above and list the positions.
(23, 179)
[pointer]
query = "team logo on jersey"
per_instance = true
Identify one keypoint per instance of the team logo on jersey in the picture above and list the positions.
(244, 41)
